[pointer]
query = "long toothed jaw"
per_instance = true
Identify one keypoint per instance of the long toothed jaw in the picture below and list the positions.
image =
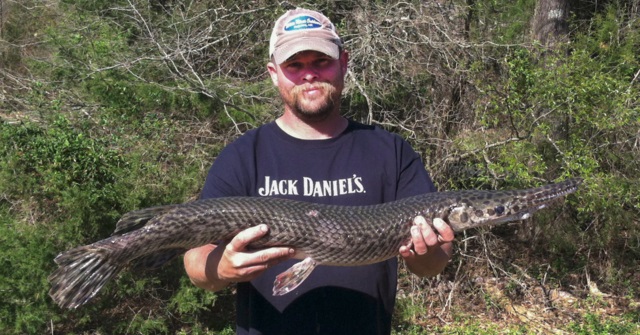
(464, 216)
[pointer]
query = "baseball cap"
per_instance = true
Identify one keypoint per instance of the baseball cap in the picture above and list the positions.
(300, 30)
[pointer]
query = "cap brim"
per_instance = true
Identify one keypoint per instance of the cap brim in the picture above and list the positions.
(285, 51)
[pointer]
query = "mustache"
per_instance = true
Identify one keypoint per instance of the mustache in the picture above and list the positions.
(326, 87)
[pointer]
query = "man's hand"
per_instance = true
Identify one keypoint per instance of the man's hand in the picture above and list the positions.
(214, 267)
(430, 247)
(239, 264)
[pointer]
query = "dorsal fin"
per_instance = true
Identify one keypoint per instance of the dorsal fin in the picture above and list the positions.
(137, 219)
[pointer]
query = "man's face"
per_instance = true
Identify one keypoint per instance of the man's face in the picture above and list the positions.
(310, 83)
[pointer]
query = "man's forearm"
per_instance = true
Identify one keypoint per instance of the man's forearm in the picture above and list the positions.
(201, 267)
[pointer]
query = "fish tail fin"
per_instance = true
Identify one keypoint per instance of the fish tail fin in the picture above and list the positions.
(82, 272)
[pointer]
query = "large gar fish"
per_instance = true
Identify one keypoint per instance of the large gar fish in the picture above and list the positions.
(320, 234)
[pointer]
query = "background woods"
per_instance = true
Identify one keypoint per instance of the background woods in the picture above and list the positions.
(110, 106)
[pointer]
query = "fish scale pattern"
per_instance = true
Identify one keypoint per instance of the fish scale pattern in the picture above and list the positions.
(329, 234)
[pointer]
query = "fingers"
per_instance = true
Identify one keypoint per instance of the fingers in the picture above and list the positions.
(422, 236)
(264, 258)
(239, 264)
(445, 233)
(406, 251)
(245, 237)
(426, 235)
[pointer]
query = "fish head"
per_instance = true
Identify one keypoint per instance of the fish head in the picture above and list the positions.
(480, 208)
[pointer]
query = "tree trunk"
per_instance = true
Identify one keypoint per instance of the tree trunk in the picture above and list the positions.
(550, 25)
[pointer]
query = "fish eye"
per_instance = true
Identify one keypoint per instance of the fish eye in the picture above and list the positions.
(499, 209)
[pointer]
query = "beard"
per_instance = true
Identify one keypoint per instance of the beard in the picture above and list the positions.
(315, 109)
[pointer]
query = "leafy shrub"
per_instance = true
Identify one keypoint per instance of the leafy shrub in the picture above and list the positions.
(570, 113)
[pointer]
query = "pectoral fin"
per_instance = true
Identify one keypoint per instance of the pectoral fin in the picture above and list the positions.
(293, 277)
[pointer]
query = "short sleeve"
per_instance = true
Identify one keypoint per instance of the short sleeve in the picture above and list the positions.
(227, 176)
(413, 178)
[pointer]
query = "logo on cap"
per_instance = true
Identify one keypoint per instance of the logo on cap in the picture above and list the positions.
(302, 23)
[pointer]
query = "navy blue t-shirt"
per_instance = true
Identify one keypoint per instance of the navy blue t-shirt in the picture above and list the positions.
(365, 165)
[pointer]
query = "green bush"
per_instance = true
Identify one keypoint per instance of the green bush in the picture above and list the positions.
(61, 188)
(573, 112)
(25, 258)
(64, 171)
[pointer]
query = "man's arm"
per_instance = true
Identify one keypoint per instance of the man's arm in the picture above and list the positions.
(213, 268)
(430, 248)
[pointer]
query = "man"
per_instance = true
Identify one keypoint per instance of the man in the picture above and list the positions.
(314, 154)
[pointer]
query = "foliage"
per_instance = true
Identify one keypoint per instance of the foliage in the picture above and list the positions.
(61, 166)
(63, 187)
(110, 106)
(593, 324)
(574, 114)
(24, 306)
